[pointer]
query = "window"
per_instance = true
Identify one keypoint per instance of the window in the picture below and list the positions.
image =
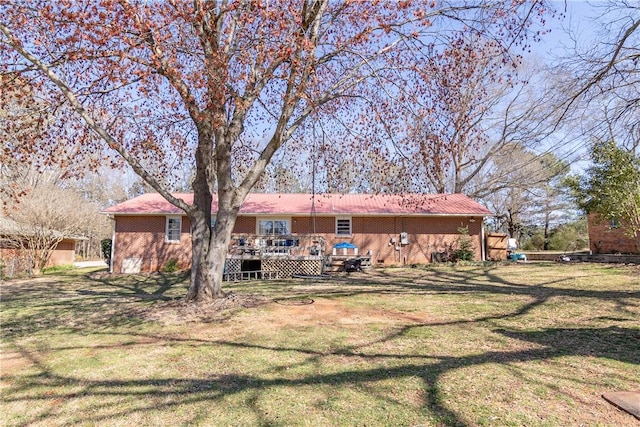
(273, 226)
(343, 226)
(173, 229)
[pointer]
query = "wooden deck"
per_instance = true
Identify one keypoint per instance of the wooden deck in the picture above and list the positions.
(253, 257)
(272, 257)
(277, 246)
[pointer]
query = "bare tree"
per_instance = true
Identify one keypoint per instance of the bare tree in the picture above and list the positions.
(528, 190)
(43, 217)
(496, 102)
(603, 79)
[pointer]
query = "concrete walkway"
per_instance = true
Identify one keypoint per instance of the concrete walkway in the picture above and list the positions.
(86, 264)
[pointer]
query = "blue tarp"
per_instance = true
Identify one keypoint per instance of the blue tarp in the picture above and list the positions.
(345, 245)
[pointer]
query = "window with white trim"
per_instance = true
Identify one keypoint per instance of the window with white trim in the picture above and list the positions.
(274, 226)
(343, 226)
(173, 229)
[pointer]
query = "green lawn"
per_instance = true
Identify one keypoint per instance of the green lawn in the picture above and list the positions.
(507, 345)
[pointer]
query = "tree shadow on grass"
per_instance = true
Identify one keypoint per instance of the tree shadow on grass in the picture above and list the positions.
(146, 286)
(168, 393)
(476, 282)
(613, 342)
(96, 301)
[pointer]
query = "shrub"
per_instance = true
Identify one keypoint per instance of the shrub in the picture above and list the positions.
(106, 250)
(170, 266)
(464, 246)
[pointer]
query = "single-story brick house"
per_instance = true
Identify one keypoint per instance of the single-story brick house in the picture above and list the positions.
(149, 232)
(608, 237)
(14, 235)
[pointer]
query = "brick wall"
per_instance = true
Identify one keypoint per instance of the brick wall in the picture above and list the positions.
(141, 239)
(606, 240)
(63, 254)
(425, 236)
(14, 262)
(245, 225)
(20, 261)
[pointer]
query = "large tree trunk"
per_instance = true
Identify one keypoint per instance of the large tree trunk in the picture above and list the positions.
(210, 248)
(202, 286)
(209, 252)
(206, 275)
(210, 244)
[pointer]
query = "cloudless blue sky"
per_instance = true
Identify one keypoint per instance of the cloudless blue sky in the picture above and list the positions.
(578, 16)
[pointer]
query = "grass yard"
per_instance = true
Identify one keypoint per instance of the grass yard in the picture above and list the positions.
(506, 345)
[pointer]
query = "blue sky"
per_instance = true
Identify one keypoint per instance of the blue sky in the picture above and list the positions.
(578, 16)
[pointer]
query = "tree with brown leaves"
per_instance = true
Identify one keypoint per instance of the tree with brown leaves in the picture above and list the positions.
(219, 84)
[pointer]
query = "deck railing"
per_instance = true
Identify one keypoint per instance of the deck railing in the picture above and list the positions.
(255, 245)
(250, 275)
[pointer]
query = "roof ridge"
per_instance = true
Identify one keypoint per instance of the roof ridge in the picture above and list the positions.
(327, 204)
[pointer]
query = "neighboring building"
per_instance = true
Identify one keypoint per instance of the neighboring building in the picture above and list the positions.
(14, 236)
(608, 237)
(149, 232)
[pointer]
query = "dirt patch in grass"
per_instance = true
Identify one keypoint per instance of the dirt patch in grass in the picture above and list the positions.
(181, 311)
(328, 311)
(281, 312)
(12, 361)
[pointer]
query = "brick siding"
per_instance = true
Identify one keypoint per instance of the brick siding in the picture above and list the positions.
(142, 238)
(63, 254)
(606, 240)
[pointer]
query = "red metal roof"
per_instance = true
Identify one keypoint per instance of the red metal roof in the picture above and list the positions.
(325, 204)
